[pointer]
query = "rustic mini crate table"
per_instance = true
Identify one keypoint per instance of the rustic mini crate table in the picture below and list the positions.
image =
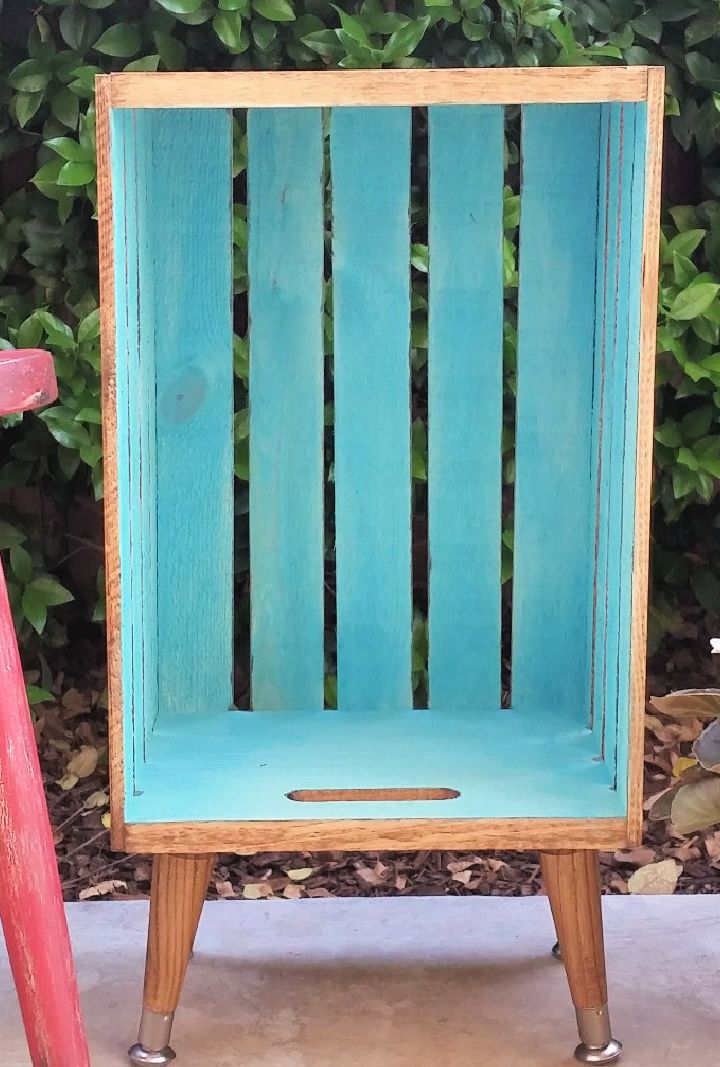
(560, 769)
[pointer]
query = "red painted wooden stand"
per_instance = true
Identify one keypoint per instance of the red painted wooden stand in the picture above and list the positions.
(31, 906)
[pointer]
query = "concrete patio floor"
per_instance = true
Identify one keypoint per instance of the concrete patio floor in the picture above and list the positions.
(414, 982)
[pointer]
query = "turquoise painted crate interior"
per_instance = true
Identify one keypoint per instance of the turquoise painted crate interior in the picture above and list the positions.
(545, 736)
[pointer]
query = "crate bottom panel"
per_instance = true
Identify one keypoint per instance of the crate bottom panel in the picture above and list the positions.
(335, 765)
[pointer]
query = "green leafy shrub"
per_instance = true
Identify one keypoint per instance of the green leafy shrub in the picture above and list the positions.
(50, 54)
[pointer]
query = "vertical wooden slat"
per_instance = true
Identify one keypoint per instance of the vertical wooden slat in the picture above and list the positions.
(465, 404)
(620, 430)
(134, 404)
(285, 176)
(646, 383)
(118, 735)
(553, 528)
(604, 357)
(188, 176)
(637, 407)
(370, 169)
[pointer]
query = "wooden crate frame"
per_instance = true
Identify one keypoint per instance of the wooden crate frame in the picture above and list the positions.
(377, 88)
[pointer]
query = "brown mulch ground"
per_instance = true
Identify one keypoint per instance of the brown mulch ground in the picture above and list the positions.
(72, 737)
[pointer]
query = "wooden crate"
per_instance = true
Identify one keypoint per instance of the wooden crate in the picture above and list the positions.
(562, 767)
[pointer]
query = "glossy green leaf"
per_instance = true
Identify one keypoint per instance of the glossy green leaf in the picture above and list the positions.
(34, 609)
(228, 25)
(275, 10)
(692, 301)
(69, 149)
(76, 174)
(26, 106)
(403, 42)
(50, 591)
(30, 76)
(121, 41)
(10, 535)
(181, 7)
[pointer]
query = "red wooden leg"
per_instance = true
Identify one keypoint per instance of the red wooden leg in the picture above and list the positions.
(31, 906)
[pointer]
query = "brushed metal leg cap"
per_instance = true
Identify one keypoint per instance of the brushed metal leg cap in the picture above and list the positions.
(145, 1057)
(608, 1053)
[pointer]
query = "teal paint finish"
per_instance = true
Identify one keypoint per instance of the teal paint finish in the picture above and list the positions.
(135, 392)
(174, 322)
(190, 199)
(602, 407)
(241, 765)
(612, 438)
(370, 172)
(621, 223)
(554, 549)
(465, 364)
(581, 236)
(286, 227)
(635, 149)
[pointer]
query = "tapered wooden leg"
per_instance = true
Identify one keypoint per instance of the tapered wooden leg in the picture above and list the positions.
(572, 880)
(179, 884)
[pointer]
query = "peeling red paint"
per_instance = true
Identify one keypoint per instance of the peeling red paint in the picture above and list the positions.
(31, 906)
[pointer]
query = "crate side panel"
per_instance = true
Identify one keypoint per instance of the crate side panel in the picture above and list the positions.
(135, 415)
(634, 148)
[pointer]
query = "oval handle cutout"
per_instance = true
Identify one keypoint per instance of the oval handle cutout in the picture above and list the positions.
(326, 796)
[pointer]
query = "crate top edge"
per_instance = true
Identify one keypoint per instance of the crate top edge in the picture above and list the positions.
(417, 87)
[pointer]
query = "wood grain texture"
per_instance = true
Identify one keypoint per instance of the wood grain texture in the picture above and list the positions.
(615, 398)
(331, 796)
(134, 456)
(286, 252)
(646, 395)
(572, 880)
(408, 88)
(265, 831)
(179, 885)
(31, 907)
(553, 550)
(390, 835)
(110, 471)
(632, 136)
(186, 264)
(465, 368)
(370, 172)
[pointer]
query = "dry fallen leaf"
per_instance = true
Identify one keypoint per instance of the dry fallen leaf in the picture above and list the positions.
(68, 781)
(682, 764)
(635, 857)
(98, 799)
(299, 874)
(256, 891)
(655, 879)
(74, 703)
(102, 889)
(84, 762)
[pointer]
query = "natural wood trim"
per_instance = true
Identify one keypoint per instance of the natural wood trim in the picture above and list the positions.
(332, 796)
(572, 880)
(320, 835)
(179, 885)
(646, 413)
(109, 438)
(408, 88)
